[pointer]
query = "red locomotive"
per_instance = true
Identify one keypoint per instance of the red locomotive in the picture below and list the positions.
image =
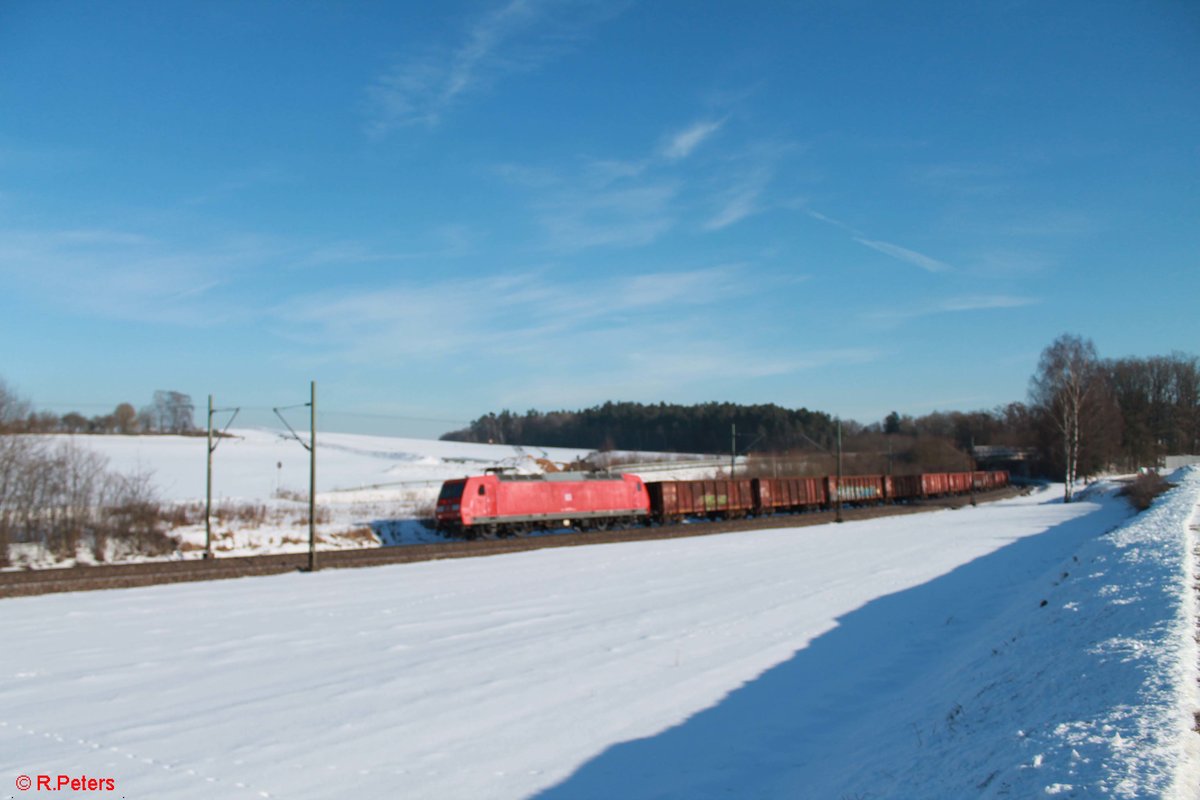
(517, 504)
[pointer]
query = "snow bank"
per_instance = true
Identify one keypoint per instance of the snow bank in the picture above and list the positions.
(902, 657)
(1093, 693)
(1017, 675)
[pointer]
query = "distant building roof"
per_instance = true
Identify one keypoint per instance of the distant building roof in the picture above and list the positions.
(1171, 463)
(991, 452)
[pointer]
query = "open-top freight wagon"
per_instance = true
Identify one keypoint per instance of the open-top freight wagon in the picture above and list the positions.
(939, 484)
(779, 495)
(674, 500)
(671, 501)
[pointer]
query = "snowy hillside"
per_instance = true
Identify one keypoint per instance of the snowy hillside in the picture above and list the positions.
(258, 464)
(1024, 648)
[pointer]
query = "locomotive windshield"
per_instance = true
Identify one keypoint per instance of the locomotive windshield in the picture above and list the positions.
(452, 490)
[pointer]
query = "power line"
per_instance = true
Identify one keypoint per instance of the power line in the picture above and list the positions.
(71, 406)
(369, 415)
(74, 406)
(282, 419)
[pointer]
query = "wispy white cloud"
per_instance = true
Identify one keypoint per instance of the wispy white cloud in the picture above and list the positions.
(904, 254)
(742, 204)
(741, 201)
(1042, 223)
(1010, 261)
(420, 89)
(502, 315)
(257, 178)
(84, 237)
(742, 179)
(444, 242)
(830, 221)
(519, 36)
(952, 305)
(666, 364)
(578, 218)
(596, 203)
(972, 180)
(695, 287)
(680, 145)
(984, 302)
(120, 274)
(133, 276)
(630, 202)
(927, 263)
(531, 339)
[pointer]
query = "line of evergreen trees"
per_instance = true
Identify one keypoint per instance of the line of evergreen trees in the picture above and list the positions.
(1136, 411)
(702, 428)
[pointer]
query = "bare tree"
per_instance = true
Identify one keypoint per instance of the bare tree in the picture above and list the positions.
(125, 419)
(1067, 375)
(63, 497)
(1159, 398)
(15, 453)
(73, 422)
(175, 411)
(13, 409)
(147, 420)
(1186, 377)
(41, 422)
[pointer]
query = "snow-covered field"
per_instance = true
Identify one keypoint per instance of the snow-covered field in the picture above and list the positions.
(370, 489)
(1021, 649)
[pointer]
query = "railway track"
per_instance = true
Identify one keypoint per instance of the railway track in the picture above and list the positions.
(123, 576)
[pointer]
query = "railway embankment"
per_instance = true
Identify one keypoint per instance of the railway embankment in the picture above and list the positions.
(19, 583)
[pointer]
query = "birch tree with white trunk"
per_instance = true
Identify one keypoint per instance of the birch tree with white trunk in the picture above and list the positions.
(1067, 375)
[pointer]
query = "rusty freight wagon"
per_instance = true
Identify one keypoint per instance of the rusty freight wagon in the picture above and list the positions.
(772, 495)
(856, 489)
(935, 484)
(674, 500)
(905, 487)
(995, 479)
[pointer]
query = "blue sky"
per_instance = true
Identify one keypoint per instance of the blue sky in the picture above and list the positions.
(439, 209)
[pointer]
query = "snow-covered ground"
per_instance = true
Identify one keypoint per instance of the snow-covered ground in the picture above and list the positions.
(370, 489)
(1021, 649)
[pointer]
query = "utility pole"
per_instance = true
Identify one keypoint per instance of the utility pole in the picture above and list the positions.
(212, 446)
(838, 518)
(312, 479)
(311, 447)
(208, 552)
(732, 448)
(971, 463)
(837, 488)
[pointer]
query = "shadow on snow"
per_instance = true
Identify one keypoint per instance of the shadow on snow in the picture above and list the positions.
(805, 725)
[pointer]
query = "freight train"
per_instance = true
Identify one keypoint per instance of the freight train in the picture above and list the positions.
(510, 505)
